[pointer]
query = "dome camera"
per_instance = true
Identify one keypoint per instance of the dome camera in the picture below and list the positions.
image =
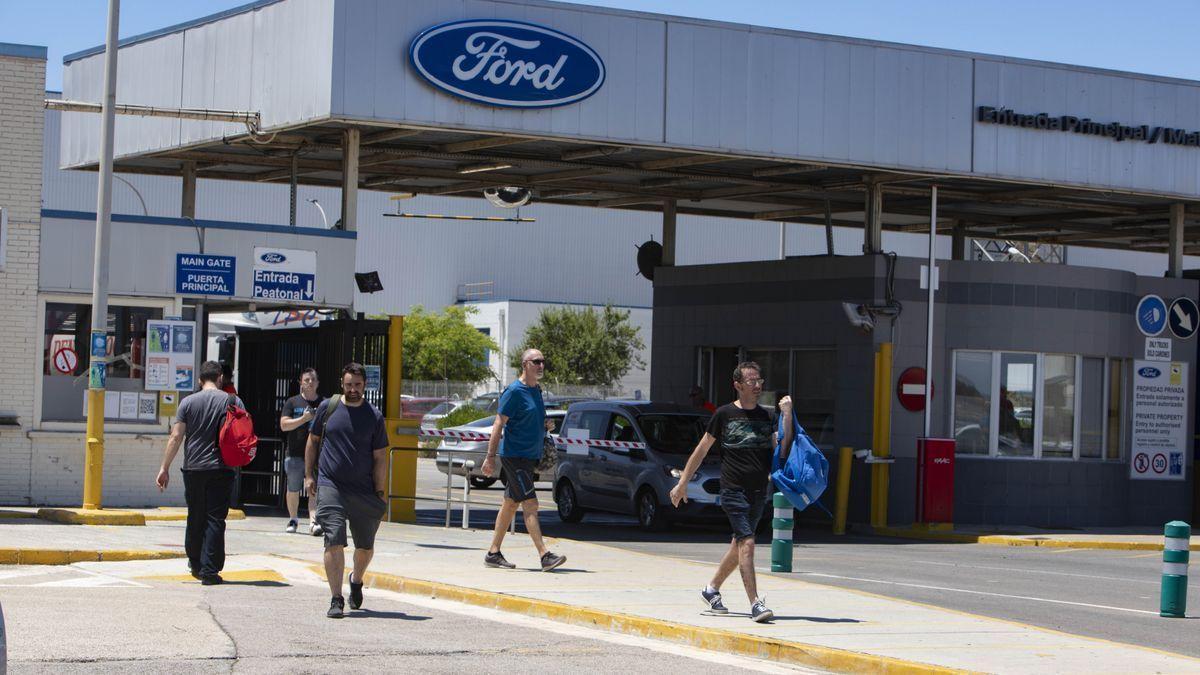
(508, 197)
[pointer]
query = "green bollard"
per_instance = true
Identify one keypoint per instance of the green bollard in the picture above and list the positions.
(781, 534)
(1173, 601)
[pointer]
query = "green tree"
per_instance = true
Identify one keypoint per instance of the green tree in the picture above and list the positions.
(583, 346)
(445, 346)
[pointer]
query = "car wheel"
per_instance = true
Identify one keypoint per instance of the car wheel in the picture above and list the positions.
(569, 510)
(482, 482)
(649, 513)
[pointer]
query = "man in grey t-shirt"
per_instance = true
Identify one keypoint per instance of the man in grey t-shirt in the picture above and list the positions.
(207, 481)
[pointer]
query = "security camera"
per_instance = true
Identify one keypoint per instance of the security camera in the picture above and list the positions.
(859, 316)
(508, 197)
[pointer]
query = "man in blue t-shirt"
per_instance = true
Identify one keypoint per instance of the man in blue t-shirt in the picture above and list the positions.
(521, 417)
(350, 443)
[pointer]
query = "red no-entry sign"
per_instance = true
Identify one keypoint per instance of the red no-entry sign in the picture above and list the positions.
(910, 389)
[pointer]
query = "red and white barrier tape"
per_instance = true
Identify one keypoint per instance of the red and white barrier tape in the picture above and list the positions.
(483, 436)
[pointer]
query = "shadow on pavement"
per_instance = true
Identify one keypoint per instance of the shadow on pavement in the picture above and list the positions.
(372, 614)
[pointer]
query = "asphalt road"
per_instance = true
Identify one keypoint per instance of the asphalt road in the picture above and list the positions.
(270, 618)
(1110, 595)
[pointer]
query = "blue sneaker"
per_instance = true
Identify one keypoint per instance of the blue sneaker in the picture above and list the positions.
(713, 600)
(759, 611)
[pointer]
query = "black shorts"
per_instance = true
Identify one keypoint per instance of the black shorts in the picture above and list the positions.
(744, 508)
(518, 478)
(336, 508)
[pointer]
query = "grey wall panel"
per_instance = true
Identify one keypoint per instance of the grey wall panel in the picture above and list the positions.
(218, 64)
(1081, 159)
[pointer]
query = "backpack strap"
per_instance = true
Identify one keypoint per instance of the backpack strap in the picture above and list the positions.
(231, 401)
(334, 402)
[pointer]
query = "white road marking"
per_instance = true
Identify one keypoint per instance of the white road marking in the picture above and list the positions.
(1023, 570)
(973, 592)
(12, 574)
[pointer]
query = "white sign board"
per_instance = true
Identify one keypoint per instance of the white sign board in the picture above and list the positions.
(170, 356)
(1158, 349)
(1160, 420)
(284, 274)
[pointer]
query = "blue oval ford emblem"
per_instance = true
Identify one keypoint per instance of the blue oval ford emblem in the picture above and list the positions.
(272, 258)
(507, 63)
(1147, 371)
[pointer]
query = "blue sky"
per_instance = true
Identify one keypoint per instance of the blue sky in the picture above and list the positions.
(1156, 36)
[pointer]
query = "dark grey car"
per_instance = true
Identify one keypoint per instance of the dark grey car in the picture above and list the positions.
(635, 481)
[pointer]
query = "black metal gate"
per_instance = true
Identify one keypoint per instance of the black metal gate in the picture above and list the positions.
(269, 362)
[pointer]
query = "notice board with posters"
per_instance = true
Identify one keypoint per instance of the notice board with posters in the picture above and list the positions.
(1160, 420)
(170, 355)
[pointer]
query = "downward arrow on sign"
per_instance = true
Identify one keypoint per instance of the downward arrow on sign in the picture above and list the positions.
(1185, 321)
(308, 291)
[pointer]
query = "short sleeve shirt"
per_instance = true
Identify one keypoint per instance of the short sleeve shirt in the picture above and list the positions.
(349, 439)
(297, 438)
(746, 441)
(526, 426)
(202, 414)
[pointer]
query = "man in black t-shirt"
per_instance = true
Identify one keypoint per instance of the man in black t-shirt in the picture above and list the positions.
(747, 438)
(295, 420)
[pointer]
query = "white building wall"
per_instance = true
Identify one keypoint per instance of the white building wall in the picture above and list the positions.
(22, 81)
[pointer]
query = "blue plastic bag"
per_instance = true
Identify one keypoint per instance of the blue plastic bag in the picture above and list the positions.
(803, 478)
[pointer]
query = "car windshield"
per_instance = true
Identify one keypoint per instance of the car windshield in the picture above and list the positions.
(485, 422)
(675, 434)
(442, 409)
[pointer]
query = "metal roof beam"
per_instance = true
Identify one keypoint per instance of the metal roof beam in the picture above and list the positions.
(679, 162)
(480, 144)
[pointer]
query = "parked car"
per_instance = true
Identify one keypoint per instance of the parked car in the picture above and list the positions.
(636, 481)
(430, 419)
(463, 450)
(414, 408)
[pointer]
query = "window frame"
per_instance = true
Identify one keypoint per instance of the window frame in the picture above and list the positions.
(1039, 402)
(169, 306)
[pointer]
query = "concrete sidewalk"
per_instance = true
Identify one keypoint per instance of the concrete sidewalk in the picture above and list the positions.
(816, 625)
(1115, 538)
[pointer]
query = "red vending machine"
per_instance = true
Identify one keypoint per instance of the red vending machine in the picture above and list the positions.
(935, 480)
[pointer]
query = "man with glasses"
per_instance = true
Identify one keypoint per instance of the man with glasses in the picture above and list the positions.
(521, 418)
(747, 437)
(298, 411)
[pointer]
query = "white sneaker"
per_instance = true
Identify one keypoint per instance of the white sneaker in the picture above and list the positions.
(315, 530)
(291, 526)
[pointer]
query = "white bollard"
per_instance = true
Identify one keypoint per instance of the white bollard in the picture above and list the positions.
(466, 518)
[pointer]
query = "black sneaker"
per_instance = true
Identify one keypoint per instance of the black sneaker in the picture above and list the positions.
(211, 580)
(759, 612)
(355, 593)
(552, 560)
(713, 600)
(337, 607)
(192, 571)
(497, 560)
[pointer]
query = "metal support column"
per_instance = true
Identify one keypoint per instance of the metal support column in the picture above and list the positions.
(668, 233)
(958, 241)
(93, 475)
(1175, 243)
(187, 205)
(933, 200)
(292, 192)
(350, 144)
(873, 219)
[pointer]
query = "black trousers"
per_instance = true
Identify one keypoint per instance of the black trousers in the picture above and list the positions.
(207, 494)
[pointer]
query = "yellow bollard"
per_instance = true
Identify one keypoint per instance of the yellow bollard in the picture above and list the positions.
(402, 433)
(845, 455)
(93, 459)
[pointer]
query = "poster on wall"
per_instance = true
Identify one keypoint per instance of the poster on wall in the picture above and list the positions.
(1160, 420)
(170, 355)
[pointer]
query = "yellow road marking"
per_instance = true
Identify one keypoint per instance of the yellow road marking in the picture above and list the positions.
(228, 575)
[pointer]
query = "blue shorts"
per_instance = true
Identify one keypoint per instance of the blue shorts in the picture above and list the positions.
(744, 508)
(294, 468)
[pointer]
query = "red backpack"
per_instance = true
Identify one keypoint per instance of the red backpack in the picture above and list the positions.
(236, 439)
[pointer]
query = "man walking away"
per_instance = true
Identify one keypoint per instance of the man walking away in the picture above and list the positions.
(747, 437)
(294, 420)
(347, 445)
(521, 416)
(207, 481)
(696, 396)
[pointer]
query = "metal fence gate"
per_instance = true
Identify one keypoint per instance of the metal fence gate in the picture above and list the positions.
(269, 362)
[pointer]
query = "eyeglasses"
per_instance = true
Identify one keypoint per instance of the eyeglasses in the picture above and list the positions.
(537, 362)
(755, 383)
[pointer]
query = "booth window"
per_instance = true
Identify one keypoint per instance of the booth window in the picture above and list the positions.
(1038, 406)
(773, 366)
(65, 354)
(972, 402)
(813, 390)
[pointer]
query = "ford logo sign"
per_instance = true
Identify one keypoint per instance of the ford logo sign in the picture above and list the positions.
(1149, 372)
(507, 63)
(272, 258)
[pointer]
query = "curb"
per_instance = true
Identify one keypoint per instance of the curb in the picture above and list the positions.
(41, 556)
(169, 514)
(92, 516)
(712, 639)
(1009, 540)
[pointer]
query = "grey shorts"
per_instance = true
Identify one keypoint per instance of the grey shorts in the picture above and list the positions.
(518, 478)
(336, 509)
(294, 468)
(744, 508)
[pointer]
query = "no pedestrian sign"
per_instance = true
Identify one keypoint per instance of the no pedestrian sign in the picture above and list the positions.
(200, 274)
